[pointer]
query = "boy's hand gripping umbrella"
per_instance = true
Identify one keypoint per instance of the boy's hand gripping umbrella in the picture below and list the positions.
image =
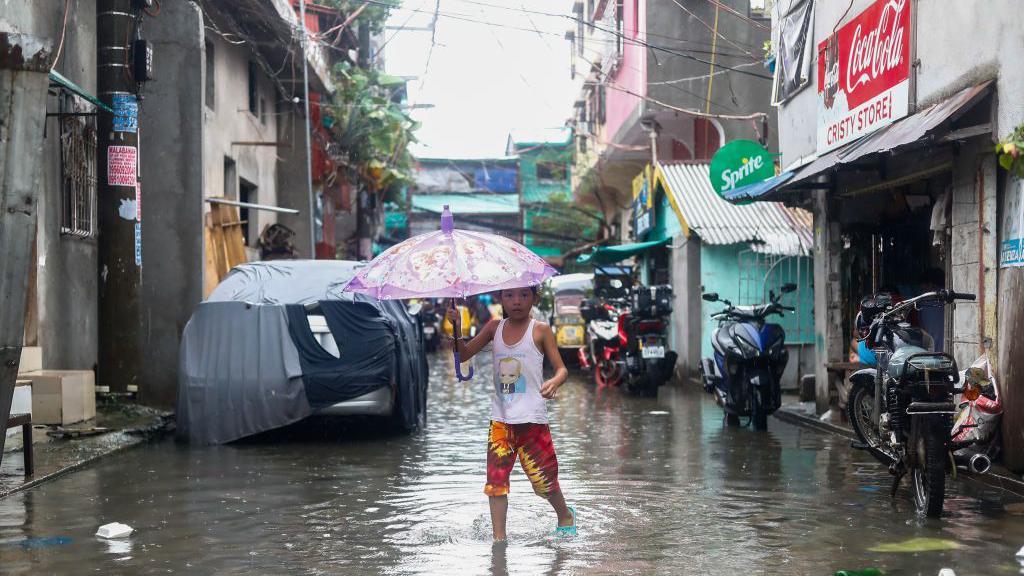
(450, 263)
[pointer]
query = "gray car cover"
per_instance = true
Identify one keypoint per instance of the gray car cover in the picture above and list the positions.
(249, 362)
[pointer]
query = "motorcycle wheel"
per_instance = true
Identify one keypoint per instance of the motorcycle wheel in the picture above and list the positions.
(732, 420)
(607, 374)
(758, 415)
(929, 476)
(859, 406)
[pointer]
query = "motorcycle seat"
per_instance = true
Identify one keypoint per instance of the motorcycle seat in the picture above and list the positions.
(923, 360)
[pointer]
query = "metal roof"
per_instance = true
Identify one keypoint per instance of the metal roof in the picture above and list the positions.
(478, 203)
(768, 226)
(919, 127)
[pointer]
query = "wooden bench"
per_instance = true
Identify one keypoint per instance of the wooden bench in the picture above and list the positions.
(843, 370)
(25, 421)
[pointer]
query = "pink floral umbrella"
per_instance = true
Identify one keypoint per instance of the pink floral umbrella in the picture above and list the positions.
(450, 263)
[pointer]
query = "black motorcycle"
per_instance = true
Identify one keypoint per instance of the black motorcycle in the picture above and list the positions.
(902, 410)
(649, 361)
(749, 358)
(430, 325)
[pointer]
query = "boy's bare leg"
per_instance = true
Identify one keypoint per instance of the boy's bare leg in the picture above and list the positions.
(558, 503)
(499, 513)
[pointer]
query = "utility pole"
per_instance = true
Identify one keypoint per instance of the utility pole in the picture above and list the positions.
(366, 196)
(120, 230)
(309, 148)
(24, 63)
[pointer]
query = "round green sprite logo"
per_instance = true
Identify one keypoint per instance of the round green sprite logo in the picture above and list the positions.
(739, 163)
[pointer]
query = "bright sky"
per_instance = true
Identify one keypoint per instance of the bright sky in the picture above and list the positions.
(483, 80)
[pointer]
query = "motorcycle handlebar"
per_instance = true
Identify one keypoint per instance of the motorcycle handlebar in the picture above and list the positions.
(951, 295)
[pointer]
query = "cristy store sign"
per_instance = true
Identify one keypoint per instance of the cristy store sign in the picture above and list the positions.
(864, 74)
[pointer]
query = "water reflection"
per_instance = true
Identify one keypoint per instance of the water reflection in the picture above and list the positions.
(660, 485)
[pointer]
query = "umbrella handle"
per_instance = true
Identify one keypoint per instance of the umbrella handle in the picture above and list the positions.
(458, 367)
(455, 350)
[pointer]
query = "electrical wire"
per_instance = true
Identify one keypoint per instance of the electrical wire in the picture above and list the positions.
(743, 17)
(63, 32)
(625, 38)
(712, 30)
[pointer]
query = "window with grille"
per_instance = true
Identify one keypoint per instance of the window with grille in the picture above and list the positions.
(77, 169)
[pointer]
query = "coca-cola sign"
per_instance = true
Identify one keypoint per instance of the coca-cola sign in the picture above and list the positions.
(864, 74)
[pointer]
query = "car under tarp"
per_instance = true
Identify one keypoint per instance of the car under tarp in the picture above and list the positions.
(250, 362)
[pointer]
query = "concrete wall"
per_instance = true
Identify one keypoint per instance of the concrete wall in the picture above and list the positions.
(686, 317)
(171, 164)
(66, 266)
(732, 92)
(230, 122)
(621, 107)
(974, 258)
(292, 191)
(950, 59)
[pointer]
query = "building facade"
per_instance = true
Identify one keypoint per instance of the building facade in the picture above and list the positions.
(895, 155)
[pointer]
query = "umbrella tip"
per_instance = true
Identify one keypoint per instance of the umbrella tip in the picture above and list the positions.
(447, 220)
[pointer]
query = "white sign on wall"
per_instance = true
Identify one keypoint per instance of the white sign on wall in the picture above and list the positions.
(1011, 246)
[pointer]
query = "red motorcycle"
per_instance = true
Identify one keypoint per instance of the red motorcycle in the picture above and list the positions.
(606, 339)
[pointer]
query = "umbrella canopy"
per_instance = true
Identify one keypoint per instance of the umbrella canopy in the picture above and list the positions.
(450, 263)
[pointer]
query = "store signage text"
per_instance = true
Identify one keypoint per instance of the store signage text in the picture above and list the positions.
(864, 74)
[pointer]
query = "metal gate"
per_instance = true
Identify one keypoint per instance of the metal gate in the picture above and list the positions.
(761, 273)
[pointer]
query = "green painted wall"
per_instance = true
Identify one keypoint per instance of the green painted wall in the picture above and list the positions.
(719, 266)
(538, 195)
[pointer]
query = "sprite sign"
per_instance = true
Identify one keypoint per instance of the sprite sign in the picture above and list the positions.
(739, 163)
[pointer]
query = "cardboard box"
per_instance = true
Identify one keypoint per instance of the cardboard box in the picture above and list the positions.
(62, 396)
(21, 404)
(31, 359)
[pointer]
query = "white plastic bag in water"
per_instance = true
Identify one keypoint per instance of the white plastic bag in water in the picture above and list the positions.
(114, 530)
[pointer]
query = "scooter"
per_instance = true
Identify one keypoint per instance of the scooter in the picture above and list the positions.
(902, 409)
(649, 361)
(749, 358)
(605, 342)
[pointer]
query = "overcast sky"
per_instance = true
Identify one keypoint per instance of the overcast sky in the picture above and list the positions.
(483, 80)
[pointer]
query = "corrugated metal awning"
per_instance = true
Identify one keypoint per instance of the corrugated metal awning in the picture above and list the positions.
(921, 128)
(767, 226)
(480, 203)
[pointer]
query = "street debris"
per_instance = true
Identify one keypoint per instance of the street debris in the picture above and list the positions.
(917, 545)
(114, 530)
(73, 433)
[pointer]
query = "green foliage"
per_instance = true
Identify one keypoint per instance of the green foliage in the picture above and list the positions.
(1009, 151)
(560, 216)
(370, 125)
(373, 15)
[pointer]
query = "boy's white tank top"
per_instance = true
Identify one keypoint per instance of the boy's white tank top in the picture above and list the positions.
(518, 375)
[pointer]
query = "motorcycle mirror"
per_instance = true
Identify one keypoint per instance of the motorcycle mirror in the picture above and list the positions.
(710, 297)
(771, 295)
(788, 287)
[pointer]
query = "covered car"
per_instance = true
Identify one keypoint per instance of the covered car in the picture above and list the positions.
(279, 341)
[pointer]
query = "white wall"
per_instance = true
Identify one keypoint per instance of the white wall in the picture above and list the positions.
(958, 44)
(231, 121)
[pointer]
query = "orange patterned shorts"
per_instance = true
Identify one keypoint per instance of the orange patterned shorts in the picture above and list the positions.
(531, 443)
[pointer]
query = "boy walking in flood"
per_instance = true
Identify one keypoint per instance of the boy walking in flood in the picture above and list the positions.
(519, 419)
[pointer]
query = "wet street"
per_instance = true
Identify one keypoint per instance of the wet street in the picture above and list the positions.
(661, 487)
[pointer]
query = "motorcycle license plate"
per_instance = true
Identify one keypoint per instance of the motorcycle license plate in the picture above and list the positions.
(653, 352)
(428, 330)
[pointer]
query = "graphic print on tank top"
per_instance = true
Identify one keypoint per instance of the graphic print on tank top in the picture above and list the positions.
(510, 375)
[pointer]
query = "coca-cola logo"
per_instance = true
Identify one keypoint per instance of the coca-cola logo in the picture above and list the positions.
(875, 52)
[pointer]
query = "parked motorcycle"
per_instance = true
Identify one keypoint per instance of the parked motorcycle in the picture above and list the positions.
(902, 409)
(749, 358)
(649, 361)
(605, 341)
(429, 320)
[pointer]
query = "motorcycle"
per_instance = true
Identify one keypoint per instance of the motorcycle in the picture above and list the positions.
(749, 358)
(649, 362)
(605, 341)
(902, 409)
(428, 318)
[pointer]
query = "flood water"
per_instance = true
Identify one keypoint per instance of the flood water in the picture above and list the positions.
(660, 486)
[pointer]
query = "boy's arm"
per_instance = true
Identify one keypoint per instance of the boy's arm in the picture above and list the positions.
(469, 349)
(550, 348)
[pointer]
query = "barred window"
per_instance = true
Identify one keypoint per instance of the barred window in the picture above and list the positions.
(77, 168)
